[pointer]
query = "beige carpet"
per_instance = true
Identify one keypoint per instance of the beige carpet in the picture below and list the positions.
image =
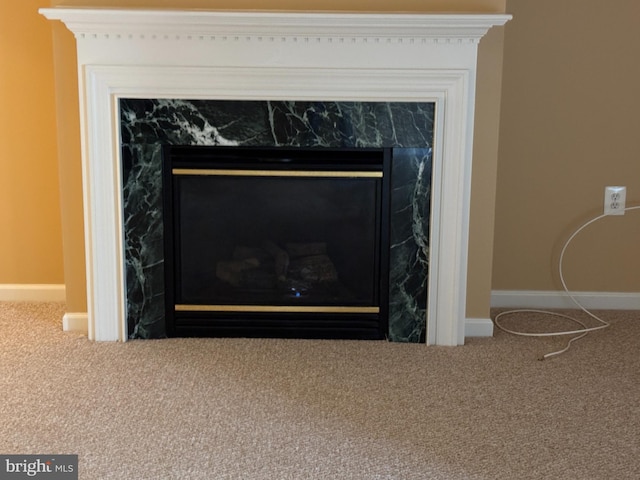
(301, 409)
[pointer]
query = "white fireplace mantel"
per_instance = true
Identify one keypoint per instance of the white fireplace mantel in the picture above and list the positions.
(249, 55)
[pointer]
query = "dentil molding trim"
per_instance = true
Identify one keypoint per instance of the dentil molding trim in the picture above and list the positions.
(273, 26)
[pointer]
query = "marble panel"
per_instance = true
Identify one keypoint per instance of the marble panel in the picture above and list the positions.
(147, 124)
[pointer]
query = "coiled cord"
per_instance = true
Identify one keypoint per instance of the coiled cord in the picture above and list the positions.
(580, 332)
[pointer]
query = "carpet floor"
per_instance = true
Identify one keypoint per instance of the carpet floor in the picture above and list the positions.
(317, 409)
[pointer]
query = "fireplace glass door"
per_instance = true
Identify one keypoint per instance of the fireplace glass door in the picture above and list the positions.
(276, 242)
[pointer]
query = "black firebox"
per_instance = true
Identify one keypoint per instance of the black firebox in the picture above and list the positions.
(276, 242)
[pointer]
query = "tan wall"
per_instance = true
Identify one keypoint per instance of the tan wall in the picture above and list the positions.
(483, 179)
(569, 127)
(66, 94)
(485, 149)
(30, 231)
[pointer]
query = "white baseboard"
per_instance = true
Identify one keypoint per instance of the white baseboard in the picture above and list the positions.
(478, 327)
(32, 293)
(558, 299)
(76, 322)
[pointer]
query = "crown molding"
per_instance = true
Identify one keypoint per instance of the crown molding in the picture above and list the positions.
(271, 26)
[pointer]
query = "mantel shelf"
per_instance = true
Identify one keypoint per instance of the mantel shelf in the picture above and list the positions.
(195, 23)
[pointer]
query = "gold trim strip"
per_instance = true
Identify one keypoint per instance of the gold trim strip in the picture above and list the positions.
(274, 308)
(276, 173)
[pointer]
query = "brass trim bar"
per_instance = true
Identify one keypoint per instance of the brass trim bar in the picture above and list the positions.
(276, 173)
(274, 308)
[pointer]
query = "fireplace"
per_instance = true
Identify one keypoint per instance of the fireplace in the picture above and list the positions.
(276, 242)
(348, 131)
(275, 56)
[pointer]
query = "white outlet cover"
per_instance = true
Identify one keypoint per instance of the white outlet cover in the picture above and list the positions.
(614, 200)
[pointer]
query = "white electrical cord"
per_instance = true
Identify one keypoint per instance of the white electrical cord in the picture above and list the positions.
(581, 332)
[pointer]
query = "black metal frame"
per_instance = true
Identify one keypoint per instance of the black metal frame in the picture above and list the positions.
(269, 324)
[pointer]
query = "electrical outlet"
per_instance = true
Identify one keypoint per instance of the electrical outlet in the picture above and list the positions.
(614, 200)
